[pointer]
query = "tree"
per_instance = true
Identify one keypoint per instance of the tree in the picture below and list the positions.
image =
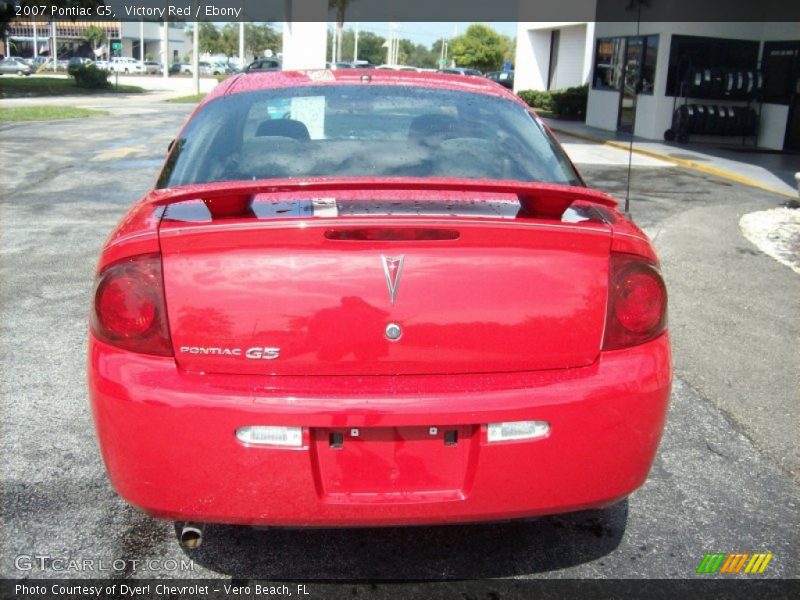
(370, 46)
(417, 55)
(257, 38)
(511, 49)
(229, 40)
(95, 35)
(341, 9)
(210, 38)
(436, 50)
(480, 47)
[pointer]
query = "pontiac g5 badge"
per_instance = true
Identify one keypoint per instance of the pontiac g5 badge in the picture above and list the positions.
(392, 268)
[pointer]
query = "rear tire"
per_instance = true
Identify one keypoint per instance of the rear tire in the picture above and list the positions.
(669, 135)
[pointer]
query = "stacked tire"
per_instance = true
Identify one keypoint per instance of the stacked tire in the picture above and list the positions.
(711, 119)
(733, 84)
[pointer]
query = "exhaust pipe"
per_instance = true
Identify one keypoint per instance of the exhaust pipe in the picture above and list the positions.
(191, 535)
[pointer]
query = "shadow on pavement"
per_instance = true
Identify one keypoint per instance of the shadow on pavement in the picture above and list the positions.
(474, 551)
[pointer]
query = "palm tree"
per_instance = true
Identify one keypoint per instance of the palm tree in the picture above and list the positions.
(341, 8)
(95, 35)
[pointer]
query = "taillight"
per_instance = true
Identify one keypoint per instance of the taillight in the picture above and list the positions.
(129, 310)
(637, 302)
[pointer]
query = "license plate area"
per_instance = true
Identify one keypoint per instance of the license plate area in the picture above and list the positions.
(393, 464)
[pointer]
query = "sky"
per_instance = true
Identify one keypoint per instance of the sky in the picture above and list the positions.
(424, 32)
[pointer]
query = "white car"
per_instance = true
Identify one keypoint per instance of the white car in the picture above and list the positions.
(124, 64)
(151, 67)
(398, 68)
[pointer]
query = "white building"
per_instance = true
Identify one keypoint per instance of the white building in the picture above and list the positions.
(647, 73)
(133, 34)
(553, 56)
(28, 38)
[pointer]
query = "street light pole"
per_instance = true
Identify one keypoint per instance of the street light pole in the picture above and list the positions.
(196, 56)
(54, 56)
(241, 43)
(165, 47)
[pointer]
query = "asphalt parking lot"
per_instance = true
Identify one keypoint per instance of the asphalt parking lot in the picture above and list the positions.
(725, 479)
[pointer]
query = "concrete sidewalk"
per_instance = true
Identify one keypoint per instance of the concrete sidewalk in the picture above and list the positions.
(763, 169)
(157, 90)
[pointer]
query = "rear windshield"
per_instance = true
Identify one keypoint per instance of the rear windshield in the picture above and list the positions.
(363, 131)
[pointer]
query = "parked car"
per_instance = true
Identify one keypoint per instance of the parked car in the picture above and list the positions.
(151, 67)
(12, 66)
(102, 64)
(398, 68)
(461, 71)
(203, 67)
(37, 61)
(263, 64)
(78, 61)
(125, 64)
(287, 331)
(223, 69)
(359, 64)
(504, 78)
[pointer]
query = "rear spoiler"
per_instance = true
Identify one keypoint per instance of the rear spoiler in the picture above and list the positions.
(234, 198)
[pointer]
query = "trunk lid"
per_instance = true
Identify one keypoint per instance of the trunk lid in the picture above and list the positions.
(311, 288)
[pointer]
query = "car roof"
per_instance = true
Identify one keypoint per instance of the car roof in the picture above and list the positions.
(264, 80)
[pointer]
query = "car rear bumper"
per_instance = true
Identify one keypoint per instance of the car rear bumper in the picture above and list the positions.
(167, 438)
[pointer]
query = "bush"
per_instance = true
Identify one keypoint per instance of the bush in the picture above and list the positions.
(527, 96)
(89, 77)
(536, 98)
(570, 102)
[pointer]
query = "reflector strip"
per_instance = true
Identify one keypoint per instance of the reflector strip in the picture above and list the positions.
(268, 435)
(517, 430)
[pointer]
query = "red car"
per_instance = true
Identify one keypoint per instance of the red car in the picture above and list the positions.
(374, 298)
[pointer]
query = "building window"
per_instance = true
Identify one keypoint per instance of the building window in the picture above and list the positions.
(608, 60)
(688, 52)
(635, 55)
(555, 39)
(649, 64)
(781, 65)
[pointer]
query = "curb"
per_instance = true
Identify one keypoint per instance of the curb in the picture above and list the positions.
(689, 164)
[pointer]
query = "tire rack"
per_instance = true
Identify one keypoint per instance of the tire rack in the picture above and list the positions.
(750, 102)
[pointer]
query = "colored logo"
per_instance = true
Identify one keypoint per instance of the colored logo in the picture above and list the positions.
(735, 562)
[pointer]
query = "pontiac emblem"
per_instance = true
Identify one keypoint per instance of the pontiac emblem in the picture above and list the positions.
(392, 268)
